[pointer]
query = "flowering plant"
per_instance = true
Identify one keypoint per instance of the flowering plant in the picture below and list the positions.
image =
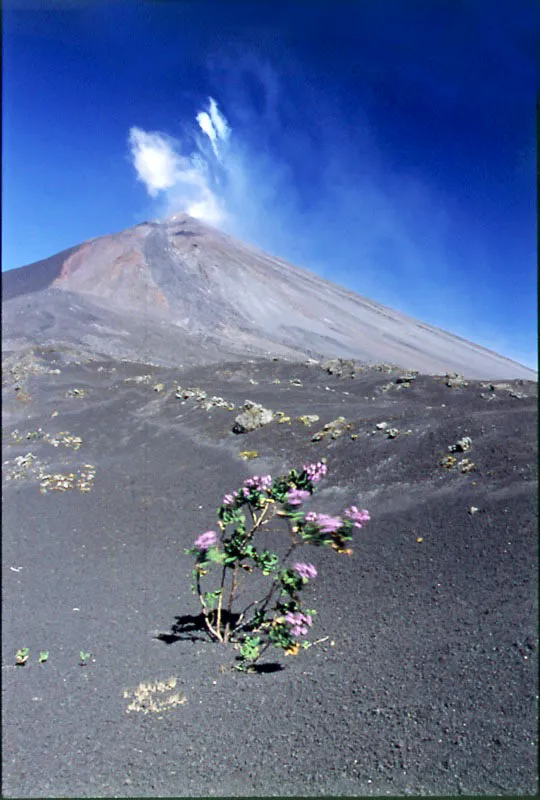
(278, 617)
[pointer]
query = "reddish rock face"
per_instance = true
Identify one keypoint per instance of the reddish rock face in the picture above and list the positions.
(212, 287)
(114, 268)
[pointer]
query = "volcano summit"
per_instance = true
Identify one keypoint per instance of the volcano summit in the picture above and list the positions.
(180, 289)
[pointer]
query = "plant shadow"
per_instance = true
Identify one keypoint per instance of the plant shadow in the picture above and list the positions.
(187, 627)
(262, 669)
(192, 627)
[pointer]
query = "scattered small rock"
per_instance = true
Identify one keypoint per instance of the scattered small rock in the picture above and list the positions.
(137, 378)
(340, 367)
(407, 378)
(308, 419)
(461, 446)
(216, 402)
(448, 462)
(192, 391)
(383, 367)
(455, 380)
(282, 418)
(247, 455)
(333, 429)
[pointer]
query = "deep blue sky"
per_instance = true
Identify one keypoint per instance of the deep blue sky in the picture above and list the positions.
(389, 146)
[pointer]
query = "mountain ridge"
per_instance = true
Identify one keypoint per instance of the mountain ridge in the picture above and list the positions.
(183, 274)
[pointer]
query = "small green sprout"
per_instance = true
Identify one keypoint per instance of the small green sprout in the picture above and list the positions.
(22, 656)
(84, 657)
(43, 656)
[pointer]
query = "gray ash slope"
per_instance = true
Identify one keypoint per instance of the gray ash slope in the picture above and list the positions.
(183, 292)
(431, 684)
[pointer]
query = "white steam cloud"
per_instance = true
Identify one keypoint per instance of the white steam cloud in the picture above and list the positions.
(154, 159)
(214, 125)
(186, 183)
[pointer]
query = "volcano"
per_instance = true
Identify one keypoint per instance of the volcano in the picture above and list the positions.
(180, 290)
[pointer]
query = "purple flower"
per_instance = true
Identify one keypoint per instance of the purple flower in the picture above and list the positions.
(229, 499)
(357, 516)
(258, 483)
(328, 524)
(206, 540)
(315, 471)
(311, 516)
(299, 622)
(296, 497)
(305, 570)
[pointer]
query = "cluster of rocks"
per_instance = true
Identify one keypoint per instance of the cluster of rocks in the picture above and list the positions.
(59, 482)
(308, 419)
(465, 465)
(62, 437)
(16, 368)
(340, 367)
(407, 379)
(390, 433)
(333, 430)
(21, 467)
(461, 446)
(202, 399)
(503, 387)
(77, 392)
(455, 381)
(139, 379)
(282, 418)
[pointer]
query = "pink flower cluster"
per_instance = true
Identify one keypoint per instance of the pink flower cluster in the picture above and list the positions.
(326, 523)
(299, 622)
(305, 570)
(257, 483)
(316, 471)
(229, 499)
(206, 540)
(357, 516)
(296, 497)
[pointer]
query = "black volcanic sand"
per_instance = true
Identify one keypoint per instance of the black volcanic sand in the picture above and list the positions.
(427, 682)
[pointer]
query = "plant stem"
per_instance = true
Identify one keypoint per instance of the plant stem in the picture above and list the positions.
(215, 633)
(230, 602)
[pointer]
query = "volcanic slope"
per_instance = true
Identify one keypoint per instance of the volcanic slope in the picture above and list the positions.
(180, 292)
(425, 681)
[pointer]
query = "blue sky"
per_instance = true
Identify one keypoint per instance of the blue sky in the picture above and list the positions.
(389, 146)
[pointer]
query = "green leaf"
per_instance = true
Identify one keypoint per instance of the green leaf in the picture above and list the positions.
(215, 555)
(22, 655)
(250, 648)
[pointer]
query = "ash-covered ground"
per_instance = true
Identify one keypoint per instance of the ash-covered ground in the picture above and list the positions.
(427, 680)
